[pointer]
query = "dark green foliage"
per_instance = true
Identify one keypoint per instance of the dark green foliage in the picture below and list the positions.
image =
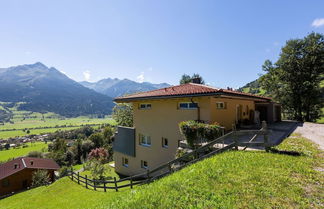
(87, 146)
(294, 80)
(123, 114)
(195, 132)
(40, 178)
(188, 79)
(36, 154)
(80, 133)
(64, 171)
(97, 139)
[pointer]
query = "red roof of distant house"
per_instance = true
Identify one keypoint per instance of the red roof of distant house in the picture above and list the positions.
(185, 90)
(18, 164)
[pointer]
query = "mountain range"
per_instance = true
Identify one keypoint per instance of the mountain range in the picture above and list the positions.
(46, 89)
(119, 87)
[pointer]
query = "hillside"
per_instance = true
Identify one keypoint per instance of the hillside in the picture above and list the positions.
(253, 87)
(116, 87)
(237, 179)
(46, 89)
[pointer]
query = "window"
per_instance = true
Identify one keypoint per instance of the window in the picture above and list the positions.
(144, 164)
(165, 142)
(145, 106)
(220, 105)
(5, 183)
(145, 140)
(188, 105)
(125, 161)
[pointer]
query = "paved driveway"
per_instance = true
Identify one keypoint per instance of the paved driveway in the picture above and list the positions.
(312, 131)
(278, 132)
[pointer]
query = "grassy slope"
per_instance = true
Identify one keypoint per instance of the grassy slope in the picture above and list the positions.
(229, 180)
(13, 153)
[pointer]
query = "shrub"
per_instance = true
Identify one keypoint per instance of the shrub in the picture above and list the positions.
(195, 132)
(40, 178)
(64, 171)
(99, 154)
(36, 154)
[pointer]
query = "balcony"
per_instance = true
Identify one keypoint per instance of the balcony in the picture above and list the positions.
(125, 141)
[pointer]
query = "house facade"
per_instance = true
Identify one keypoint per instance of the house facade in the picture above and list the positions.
(155, 136)
(16, 175)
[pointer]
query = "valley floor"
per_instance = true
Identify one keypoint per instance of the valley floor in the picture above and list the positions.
(234, 179)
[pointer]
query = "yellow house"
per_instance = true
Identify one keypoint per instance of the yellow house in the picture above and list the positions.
(155, 136)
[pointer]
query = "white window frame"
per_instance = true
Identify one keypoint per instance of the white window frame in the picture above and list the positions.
(124, 159)
(163, 142)
(147, 142)
(142, 164)
(220, 105)
(188, 106)
(146, 106)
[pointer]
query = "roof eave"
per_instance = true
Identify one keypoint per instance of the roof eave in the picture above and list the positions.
(126, 100)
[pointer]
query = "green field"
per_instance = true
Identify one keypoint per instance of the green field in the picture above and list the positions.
(236, 179)
(38, 123)
(13, 153)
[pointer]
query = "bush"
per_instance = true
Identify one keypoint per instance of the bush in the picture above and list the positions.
(99, 154)
(40, 178)
(64, 171)
(195, 132)
(36, 154)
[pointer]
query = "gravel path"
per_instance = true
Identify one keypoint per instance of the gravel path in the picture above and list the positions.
(312, 131)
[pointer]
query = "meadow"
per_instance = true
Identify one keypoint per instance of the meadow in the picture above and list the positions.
(234, 179)
(17, 152)
(41, 123)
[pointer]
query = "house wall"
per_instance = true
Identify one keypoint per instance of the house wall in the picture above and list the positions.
(16, 181)
(228, 116)
(162, 121)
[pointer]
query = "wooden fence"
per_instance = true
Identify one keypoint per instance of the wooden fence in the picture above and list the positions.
(214, 147)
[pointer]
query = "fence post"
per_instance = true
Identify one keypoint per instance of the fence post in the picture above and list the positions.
(131, 183)
(78, 178)
(116, 184)
(105, 186)
(235, 136)
(94, 184)
(86, 179)
(170, 168)
(266, 137)
(72, 173)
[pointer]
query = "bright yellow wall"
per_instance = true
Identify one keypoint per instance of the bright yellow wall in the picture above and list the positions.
(160, 121)
(227, 117)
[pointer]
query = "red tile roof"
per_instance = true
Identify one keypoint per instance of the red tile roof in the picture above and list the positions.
(18, 164)
(189, 89)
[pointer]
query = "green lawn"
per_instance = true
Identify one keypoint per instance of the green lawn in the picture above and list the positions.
(236, 179)
(46, 123)
(13, 153)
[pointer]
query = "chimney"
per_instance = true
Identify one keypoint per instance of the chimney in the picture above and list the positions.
(196, 80)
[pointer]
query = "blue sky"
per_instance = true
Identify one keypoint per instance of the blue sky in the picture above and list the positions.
(156, 41)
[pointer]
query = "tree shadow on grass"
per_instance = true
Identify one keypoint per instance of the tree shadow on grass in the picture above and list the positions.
(286, 152)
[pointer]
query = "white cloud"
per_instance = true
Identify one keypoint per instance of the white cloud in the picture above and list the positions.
(87, 75)
(318, 22)
(140, 78)
(63, 72)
